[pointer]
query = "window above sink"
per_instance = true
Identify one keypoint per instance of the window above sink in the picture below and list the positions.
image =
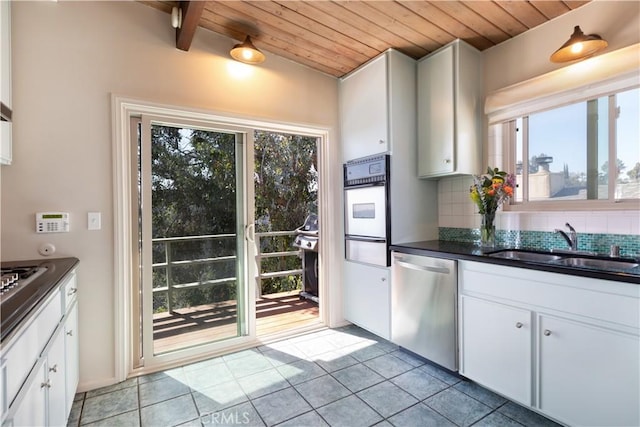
(586, 150)
(571, 135)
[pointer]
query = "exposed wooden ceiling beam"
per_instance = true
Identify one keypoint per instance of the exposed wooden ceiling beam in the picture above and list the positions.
(336, 36)
(191, 13)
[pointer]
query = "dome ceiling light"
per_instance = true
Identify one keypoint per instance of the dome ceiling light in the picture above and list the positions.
(579, 46)
(246, 52)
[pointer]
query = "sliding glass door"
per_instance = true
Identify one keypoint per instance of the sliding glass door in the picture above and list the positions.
(191, 238)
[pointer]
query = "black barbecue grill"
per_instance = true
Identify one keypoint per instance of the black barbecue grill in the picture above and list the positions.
(307, 241)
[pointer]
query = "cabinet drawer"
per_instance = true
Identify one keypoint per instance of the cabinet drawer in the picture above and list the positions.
(28, 345)
(604, 300)
(70, 291)
(21, 357)
(48, 319)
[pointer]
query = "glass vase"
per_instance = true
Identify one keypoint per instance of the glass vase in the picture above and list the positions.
(488, 231)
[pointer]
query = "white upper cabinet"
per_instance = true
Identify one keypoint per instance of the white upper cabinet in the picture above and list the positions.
(378, 108)
(364, 110)
(5, 82)
(450, 112)
(5, 44)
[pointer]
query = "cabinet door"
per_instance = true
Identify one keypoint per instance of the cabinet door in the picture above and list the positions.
(588, 376)
(72, 356)
(56, 373)
(31, 410)
(496, 347)
(363, 110)
(5, 44)
(367, 297)
(436, 113)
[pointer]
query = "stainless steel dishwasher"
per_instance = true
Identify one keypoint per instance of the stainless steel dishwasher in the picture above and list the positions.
(424, 307)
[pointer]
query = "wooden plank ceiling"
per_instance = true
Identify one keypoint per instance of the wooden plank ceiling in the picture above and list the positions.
(335, 37)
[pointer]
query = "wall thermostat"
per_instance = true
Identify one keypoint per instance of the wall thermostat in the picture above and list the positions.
(52, 222)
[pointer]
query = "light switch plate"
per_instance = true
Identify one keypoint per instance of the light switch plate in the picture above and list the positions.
(94, 220)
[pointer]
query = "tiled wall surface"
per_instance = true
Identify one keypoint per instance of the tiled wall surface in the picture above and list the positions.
(458, 220)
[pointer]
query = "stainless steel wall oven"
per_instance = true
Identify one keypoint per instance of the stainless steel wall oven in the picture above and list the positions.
(367, 220)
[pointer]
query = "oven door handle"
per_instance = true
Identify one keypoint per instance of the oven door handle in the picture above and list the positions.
(365, 239)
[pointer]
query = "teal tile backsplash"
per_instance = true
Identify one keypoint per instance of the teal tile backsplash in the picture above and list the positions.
(544, 240)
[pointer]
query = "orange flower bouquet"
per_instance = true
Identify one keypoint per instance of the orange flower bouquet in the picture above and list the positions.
(489, 192)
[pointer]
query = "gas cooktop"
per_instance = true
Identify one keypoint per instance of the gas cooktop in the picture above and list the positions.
(20, 290)
(15, 278)
(24, 285)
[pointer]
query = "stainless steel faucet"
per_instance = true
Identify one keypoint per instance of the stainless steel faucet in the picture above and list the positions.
(571, 238)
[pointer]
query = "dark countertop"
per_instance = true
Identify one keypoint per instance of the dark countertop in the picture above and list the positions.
(474, 252)
(14, 312)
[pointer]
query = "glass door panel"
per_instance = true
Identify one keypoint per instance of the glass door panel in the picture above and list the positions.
(192, 238)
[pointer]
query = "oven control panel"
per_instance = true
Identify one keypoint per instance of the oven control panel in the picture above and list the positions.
(52, 222)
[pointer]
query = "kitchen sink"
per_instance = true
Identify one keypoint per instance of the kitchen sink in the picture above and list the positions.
(603, 264)
(521, 255)
(568, 259)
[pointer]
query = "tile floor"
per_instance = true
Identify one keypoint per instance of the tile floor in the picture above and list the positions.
(335, 377)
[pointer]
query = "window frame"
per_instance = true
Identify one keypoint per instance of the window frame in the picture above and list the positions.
(508, 144)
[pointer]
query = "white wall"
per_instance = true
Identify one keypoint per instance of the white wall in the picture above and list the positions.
(522, 58)
(68, 58)
(527, 55)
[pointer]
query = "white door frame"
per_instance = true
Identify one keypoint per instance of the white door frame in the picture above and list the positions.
(123, 109)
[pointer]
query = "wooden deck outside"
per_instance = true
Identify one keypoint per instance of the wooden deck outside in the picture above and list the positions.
(192, 326)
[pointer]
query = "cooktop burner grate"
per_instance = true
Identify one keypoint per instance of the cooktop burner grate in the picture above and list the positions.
(13, 278)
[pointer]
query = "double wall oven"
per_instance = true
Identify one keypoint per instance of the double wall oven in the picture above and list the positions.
(367, 214)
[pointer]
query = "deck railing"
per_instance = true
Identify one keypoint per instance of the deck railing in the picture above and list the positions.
(262, 255)
(169, 263)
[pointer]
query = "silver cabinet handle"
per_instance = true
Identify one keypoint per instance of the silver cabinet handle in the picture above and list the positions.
(447, 161)
(70, 332)
(47, 384)
(384, 279)
(422, 267)
(381, 141)
(54, 368)
(72, 291)
(547, 332)
(519, 325)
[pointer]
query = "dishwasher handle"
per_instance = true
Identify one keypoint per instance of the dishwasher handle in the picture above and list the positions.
(402, 263)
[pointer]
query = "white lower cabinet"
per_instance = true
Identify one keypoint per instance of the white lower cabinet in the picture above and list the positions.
(44, 402)
(32, 408)
(72, 356)
(55, 381)
(40, 365)
(566, 346)
(506, 332)
(367, 297)
(588, 375)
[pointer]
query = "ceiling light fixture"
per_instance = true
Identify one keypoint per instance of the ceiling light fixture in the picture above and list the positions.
(246, 52)
(579, 46)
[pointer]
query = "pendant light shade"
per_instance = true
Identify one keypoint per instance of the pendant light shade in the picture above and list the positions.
(246, 52)
(579, 46)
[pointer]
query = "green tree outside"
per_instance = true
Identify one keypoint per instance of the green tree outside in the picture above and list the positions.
(194, 194)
